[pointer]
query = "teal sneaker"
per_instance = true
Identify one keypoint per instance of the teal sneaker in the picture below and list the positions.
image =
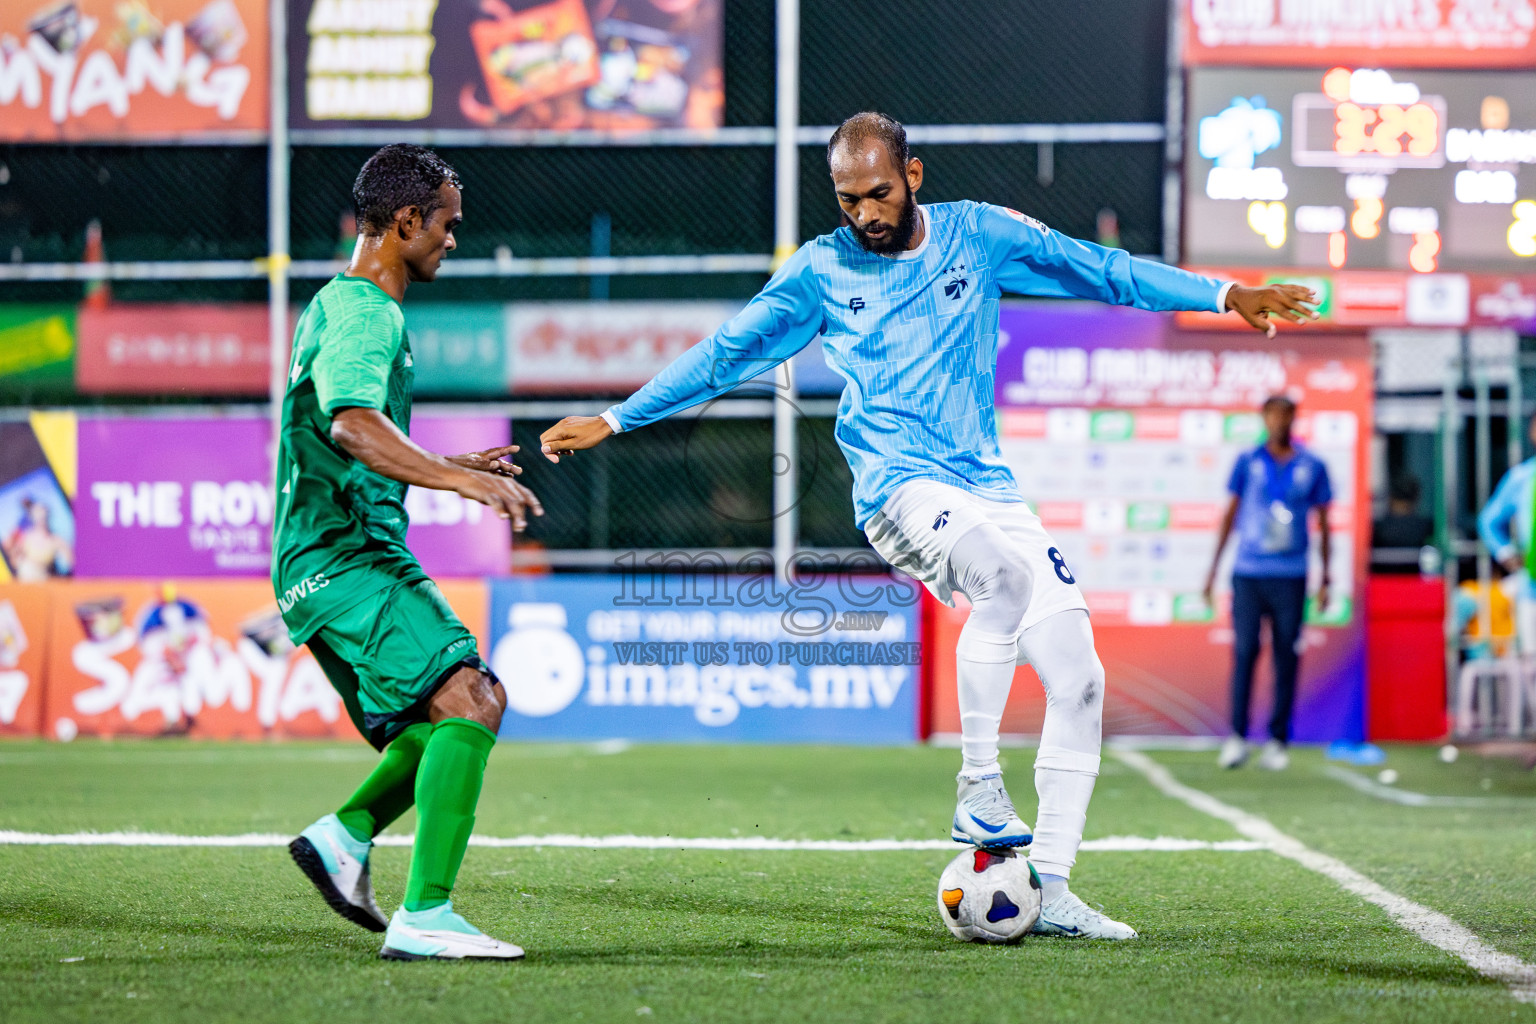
(984, 816)
(441, 934)
(337, 864)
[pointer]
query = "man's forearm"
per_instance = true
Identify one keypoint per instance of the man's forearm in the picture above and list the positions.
(1324, 542)
(372, 439)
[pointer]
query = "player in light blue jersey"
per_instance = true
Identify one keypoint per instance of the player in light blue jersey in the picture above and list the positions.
(1505, 527)
(905, 299)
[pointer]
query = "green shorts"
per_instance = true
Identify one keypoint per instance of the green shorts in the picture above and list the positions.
(390, 653)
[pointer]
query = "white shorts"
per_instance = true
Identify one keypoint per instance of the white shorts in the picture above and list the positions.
(917, 529)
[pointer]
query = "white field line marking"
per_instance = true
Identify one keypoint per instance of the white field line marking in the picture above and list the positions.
(1109, 844)
(1408, 798)
(1432, 926)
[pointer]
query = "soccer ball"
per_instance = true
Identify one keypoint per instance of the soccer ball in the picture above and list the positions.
(989, 896)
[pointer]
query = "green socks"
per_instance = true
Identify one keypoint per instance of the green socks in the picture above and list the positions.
(447, 789)
(390, 790)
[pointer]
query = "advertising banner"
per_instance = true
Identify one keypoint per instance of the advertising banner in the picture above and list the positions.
(698, 656)
(452, 535)
(136, 71)
(23, 657)
(174, 497)
(1122, 434)
(460, 348)
(1430, 33)
(191, 497)
(194, 348)
(595, 346)
(610, 66)
(37, 488)
(37, 350)
(207, 659)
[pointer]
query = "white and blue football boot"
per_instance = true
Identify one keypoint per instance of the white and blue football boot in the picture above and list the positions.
(1068, 916)
(985, 818)
(337, 864)
(439, 933)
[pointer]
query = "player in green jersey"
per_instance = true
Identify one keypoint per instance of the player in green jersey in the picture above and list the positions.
(405, 666)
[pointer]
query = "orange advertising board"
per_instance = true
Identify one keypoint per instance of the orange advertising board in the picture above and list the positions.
(139, 70)
(23, 657)
(208, 659)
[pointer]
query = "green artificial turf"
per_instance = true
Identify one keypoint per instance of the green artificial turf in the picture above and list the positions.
(202, 934)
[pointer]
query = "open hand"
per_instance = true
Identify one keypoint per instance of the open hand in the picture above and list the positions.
(572, 434)
(504, 495)
(489, 461)
(1288, 302)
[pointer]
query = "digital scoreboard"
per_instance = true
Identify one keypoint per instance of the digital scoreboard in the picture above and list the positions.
(1361, 169)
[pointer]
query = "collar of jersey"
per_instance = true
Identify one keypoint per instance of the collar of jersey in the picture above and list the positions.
(370, 283)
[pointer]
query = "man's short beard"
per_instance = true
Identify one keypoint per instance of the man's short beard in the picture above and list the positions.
(901, 234)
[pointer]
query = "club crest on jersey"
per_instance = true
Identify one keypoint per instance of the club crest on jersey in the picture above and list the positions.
(856, 303)
(956, 285)
(1024, 218)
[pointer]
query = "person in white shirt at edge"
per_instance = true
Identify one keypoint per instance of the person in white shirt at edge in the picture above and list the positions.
(906, 301)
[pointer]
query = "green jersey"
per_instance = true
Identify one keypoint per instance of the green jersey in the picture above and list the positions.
(339, 528)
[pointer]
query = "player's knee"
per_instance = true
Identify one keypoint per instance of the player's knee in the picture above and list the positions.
(1079, 691)
(490, 701)
(1012, 582)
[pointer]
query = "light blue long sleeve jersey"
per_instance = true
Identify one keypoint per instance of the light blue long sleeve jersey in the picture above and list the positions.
(915, 337)
(1505, 522)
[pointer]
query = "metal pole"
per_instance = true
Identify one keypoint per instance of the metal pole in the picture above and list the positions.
(786, 155)
(1173, 138)
(277, 218)
(1450, 430)
(1482, 471)
(786, 239)
(1516, 414)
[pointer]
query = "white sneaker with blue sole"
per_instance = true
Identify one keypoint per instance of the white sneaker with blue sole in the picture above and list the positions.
(984, 816)
(337, 864)
(439, 933)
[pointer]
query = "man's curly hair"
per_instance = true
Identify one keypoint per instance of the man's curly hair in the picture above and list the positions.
(395, 177)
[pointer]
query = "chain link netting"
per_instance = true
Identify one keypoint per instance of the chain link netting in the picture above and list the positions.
(705, 483)
(983, 62)
(688, 484)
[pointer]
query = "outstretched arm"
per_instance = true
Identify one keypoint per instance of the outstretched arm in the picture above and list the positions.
(1032, 259)
(372, 438)
(783, 318)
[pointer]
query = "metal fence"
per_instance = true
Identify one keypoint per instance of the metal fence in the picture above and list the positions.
(1014, 103)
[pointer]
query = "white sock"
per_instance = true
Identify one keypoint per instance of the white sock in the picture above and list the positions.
(1067, 764)
(984, 664)
(988, 569)
(1063, 811)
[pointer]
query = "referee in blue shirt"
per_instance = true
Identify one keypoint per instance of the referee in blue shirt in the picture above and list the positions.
(1273, 488)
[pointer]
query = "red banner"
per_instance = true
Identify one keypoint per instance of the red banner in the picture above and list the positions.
(144, 349)
(1353, 299)
(100, 70)
(207, 659)
(1438, 34)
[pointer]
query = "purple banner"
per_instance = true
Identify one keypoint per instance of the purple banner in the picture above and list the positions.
(454, 536)
(192, 497)
(174, 497)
